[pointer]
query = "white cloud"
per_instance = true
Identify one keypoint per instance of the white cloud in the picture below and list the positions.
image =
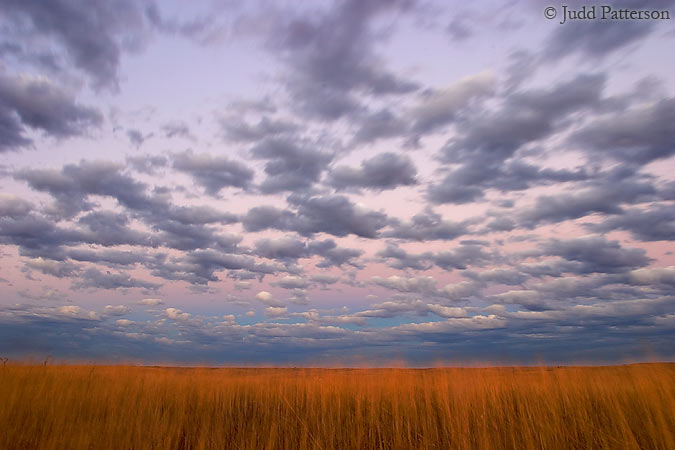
(273, 311)
(268, 299)
(118, 310)
(447, 311)
(263, 296)
(151, 302)
(229, 318)
(242, 285)
(176, 314)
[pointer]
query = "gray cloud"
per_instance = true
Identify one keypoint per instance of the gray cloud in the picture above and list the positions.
(212, 172)
(108, 257)
(59, 269)
(656, 223)
(466, 254)
(14, 207)
(137, 138)
(331, 58)
(91, 35)
(147, 164)
(177, 129)
(426, 226)
(433, 110)
(638, 136)
(40, 105)
(606, 193)
(491, 138)
(291, 166)
(333, 214)
(383, 171)
(334, 256)
(93, 278)
(596, 255)
(238, 130)
(290, 249)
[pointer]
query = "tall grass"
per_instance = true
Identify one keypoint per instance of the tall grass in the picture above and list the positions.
(122, 407)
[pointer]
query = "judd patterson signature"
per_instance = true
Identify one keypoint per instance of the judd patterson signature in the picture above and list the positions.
(604, 12)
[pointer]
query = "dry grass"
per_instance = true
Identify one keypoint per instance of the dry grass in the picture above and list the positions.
(121, 407)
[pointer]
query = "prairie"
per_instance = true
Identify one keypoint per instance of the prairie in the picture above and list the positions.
(131, 407)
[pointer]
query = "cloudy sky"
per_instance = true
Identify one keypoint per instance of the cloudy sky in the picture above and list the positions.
(350, 182)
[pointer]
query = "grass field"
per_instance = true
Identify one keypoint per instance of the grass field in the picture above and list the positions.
(123, 407)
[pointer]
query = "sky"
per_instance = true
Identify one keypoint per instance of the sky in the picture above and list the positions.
(358, 182)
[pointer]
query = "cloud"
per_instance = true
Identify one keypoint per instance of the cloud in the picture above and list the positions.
(37, 237)
(199, 267)
(290, 249)
(137, 138)
(38, 104)
(425, 287)
(239, 130)
(13, 206)
(179, 227)
(638, 135)
(72, 185)
(267, 298)
(653, 276)
(90, 36)
(242, 285)
(656, 223)
(291, 165)
(331, 214)
(485, 143)
(211, 172)
(596, 254)
(447, 311)
(334, 256)
(404, 260)
(534, 152)
(108, 228)
(458, 29)
(151, 302)
(466, 254)
(284, 248)
(324, 279)
(331, 58)
(437, 108)
(59, 269)
(147, 164)
(70, 310)
(275, 311)
(528, 298)
(292, 282)
(509, 277)
(177, 129)
(384, 171)
(93, 278)
(426, 226)
(433, 110)
(116, 310)
(420, 285)
(176, 314)
(605, 194)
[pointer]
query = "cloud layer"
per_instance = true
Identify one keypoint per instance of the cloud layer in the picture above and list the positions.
(303, 184)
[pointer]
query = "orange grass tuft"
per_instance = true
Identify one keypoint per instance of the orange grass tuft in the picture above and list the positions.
(123, 407)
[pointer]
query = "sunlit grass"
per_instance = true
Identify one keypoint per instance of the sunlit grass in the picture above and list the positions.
(123, 407)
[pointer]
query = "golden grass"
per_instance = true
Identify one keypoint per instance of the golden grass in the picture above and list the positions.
(122, 407)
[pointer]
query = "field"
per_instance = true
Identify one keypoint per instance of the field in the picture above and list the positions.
(125, 407)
